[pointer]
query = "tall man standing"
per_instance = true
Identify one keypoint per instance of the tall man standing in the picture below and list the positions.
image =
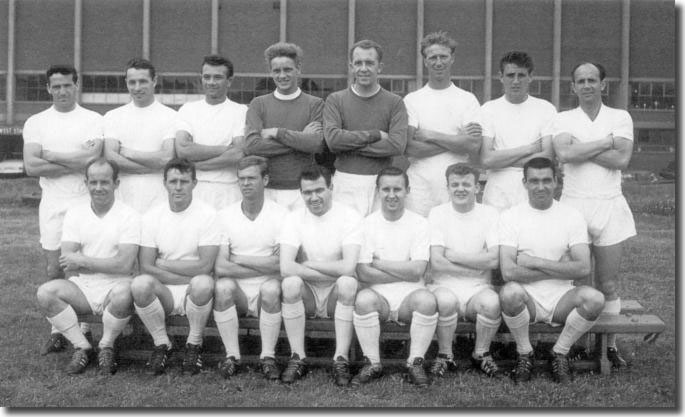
(210, 133)
(364, 126)
(516, 128)
(595, 142)
(58, 143)
(139, 137)
(441, 129)
(285, 126)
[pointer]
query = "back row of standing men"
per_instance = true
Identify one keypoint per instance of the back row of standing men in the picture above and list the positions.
(364, 126)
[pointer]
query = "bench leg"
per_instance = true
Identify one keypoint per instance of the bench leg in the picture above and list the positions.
(604, 363)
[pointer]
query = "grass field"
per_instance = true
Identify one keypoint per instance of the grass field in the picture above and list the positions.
(29, 380)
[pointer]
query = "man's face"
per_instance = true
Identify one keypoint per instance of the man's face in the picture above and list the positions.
(63, 91)
(215, 81)
(100, 185)
(365, 66)
(141, 86)
(462, 189)
(285, 74)
(316, 195)
(586, 84)
(251, 182)
(540, 184)
(516, 82)
(438, 61)
(392, 191)
(179, 185)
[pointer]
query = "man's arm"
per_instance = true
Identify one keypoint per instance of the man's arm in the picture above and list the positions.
(155, 159)
(339, 139)
(191, 268)
(224, 267)
(344, 266)
(418, 149)
(512, 271)
(147, 257)
(575, 266)
(310, 139)
(618, 157)
(440, 264)
(76, 160)
(255, 143)
(231, 156)
(569, 150)
(36, 166)
(372, 275)
(186, 148)
(468, 140)
(410, 271)
(126, 165)
(262, 264)
(121, 263)
(290, 267)
(503, 158)
(394, 141)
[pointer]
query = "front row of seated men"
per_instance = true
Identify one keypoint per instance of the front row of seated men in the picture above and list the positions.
(254, 258)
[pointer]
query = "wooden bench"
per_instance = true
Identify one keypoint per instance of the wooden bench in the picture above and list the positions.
(632, 320)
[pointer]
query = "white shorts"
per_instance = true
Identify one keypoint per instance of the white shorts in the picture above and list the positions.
(425, 193)
(321, 294)
(178, 294)
(609, 221)
(502, 193)
(51, 211)
(546, 295)
(356, 191)
(394, 293)
(141, 192)
(290, 199)
(250, 287)
(217, 194)
(96, 288)
(464, 288)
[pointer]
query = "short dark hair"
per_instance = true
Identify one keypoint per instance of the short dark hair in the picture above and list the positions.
(103, 161)
(461, 169)
(286, 49)
(63, 70)
(315, 172)
(141, 63)
(182, 165)
(254, 160)
(392, 172)
(600, 68)
(438, 38)
(518, 58)
(539, 163)
(219, 61)
(368, 44)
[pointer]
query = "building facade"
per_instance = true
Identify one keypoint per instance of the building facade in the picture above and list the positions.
(634, 39)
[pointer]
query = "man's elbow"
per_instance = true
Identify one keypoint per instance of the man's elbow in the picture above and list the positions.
(492, 263)
(182, 150)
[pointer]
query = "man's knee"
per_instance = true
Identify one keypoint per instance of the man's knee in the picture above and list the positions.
(591, 301)
(447, 302)
(142, 286)
(346, 288)
(47, 294)
(291, 287)
(201, 289)
(488, 304)
(224, 290)
(608, 287)
(366, 302)
(512, 296)
(270, 293)
(120, 298)
(423, 301)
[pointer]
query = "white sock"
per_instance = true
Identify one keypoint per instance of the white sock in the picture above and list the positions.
(575, 327)
(445, 331)
(85, 327)
(486, 329)
(612, 307)
(111, 328)
(293, 321)
(421, 333)
(153, 318)
(197, 320)
(66, 323)
(270, 328)
(227, 324)
(368, 330)
(518, 327)
(343, 330)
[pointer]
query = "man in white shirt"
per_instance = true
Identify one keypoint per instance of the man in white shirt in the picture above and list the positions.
(99, 246)
(139, 137)
(247, 268)
(441, 128)
(464, 251)
(595, 142)
(391, 266)
(179, 243)
(516, 128)
(320, 246)
(543, 249)
(210, 133)
(58, 143)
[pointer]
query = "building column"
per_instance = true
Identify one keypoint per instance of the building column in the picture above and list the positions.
(351, 9)
(487, 80)
(146, 29)
(419, 37)
(283, 34)
(9, 85)
(556, 54)
(215, 27)
(624, 87)
(78, 30)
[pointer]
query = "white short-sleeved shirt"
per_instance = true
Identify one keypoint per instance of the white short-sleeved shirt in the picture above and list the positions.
(405, 239)
(63, 132)
(445, 111)
(100, 237)
(177, 236)
(547, 234)
(588, 179)
(513, 125)
(258, 237)
(322, 237)
(213, 125)
(471, 232)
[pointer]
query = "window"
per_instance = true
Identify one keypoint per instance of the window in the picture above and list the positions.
(31, 87)
(103, 84)
(653, 95)
(540, 88)
(655, 140)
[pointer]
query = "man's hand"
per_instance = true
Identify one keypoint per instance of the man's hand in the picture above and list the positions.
(271, 133)
(473, 129)
(384, 135)
(526, 261)
(313, 127)
(536, 146)
(71, 261)
(160, 263)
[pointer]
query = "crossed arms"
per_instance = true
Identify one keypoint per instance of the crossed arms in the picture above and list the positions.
(520, 267)
(176, 272)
